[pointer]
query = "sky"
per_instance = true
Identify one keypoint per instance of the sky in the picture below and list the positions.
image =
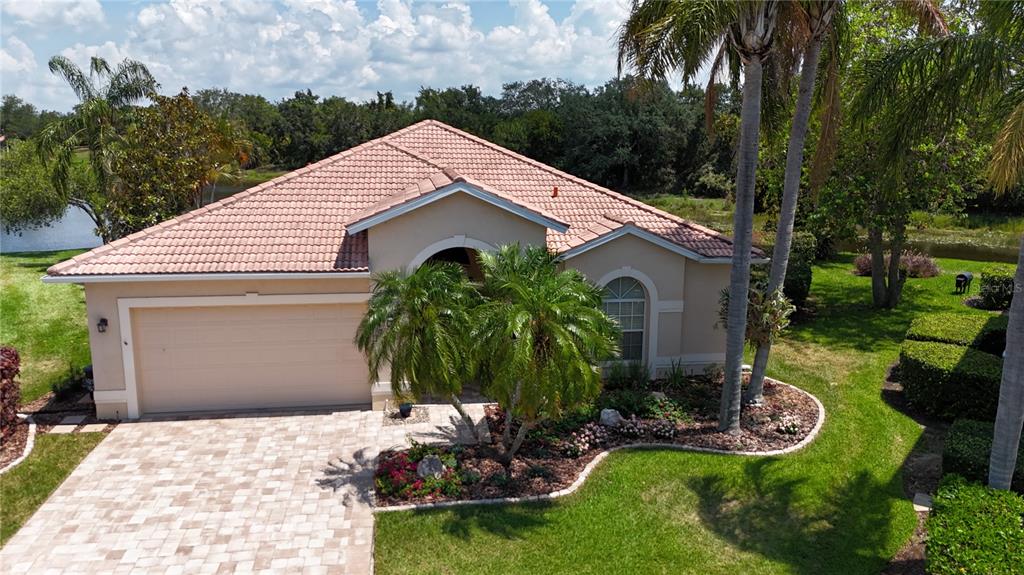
(334, 47)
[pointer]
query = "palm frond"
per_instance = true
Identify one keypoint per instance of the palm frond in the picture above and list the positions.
(99, 67)
(73, 75)
(1006, 167)
(129, 83)
(928, 13)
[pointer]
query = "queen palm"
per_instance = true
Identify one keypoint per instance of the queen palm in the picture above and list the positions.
(661, 37)
(541, 335)
(105, 94)
(418, 325)
(923, 85)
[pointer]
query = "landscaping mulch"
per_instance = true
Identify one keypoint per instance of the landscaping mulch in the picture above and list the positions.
(13, 444)
(541, 466)
(50, 404)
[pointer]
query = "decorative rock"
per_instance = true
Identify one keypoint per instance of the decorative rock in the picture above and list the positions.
(922, 502)
(657, 395)
(610, 418)
(430, 466)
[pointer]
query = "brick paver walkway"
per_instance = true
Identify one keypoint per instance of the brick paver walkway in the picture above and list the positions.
(284, 493)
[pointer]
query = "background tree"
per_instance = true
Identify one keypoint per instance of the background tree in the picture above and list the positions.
(661, 37)
(418, 326)
(105, 96)
(27, 198)
(543, 334)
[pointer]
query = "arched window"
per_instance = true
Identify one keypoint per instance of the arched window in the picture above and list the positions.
(625, 302)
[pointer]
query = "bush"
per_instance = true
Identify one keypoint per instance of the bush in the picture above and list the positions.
(627, 375)
(974, 529)
(396, 474)
(980, 331)
(66, 388)
(914, 264)
(802, 255)
(628, 402)
(967, 450)
(950, 381)
(10, 389)
(996, 289)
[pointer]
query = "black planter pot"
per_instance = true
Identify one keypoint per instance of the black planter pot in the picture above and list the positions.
(405, 409)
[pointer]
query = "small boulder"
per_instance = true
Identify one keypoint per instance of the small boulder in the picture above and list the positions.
(610, 418)
(430, 466)
(658, 396)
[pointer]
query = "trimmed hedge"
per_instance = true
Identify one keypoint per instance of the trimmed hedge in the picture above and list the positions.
(950, 381)
(996, 289)
(980, 331)
(967, 450)
(975, 529)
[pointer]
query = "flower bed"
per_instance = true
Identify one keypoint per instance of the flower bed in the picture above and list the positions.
(553, 455)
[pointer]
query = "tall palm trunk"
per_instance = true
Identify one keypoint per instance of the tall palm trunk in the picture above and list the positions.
(790, 195)
(1010, 415)
(739, 277)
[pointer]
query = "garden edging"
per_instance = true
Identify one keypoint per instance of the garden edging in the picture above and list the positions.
(29, 443)
(601, 456)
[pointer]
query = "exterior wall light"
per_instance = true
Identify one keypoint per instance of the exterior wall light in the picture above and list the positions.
(101, 326)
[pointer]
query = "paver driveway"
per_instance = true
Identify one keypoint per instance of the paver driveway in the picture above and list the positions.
(277, 493)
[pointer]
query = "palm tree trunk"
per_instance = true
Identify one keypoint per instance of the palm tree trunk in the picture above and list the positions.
(454, 399)
(877, 250)
(739, 278)
(510, 452)
(894, 290)
(1010, 415)
(790, 196)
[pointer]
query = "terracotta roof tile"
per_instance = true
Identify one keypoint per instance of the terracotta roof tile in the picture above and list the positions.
(297, 222)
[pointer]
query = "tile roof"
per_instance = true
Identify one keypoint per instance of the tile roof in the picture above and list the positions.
(297, 222)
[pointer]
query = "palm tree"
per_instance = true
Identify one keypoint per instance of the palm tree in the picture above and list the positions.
(105, 94)
(418, 325)
(925, 84)
(815, 23)
(661, 37)
(542, 335)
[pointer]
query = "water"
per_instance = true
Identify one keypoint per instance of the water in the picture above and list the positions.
(959, 250)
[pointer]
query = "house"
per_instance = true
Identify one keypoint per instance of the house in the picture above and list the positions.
(253, 301)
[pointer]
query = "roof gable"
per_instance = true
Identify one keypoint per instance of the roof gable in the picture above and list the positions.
(313, 220)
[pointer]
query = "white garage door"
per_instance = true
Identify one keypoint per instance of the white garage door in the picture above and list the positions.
(248, 357)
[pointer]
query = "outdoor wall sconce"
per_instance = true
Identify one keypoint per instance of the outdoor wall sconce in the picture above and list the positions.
(101, 326)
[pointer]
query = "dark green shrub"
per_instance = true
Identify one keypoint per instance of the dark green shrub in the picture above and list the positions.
(996, 289)
(10, 389)
(980, 331)
(627, 402)
(975, 529)
(968, 445)
(627, 375)
(802, 254)
(65, 388)
(950, 381)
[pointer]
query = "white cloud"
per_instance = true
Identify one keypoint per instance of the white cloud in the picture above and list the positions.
(16, 56)
(334, 47)
(47, 13)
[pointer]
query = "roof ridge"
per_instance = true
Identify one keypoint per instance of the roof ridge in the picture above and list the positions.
(578, 180)
(244, 194)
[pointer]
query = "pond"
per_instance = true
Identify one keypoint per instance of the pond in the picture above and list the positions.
(954, 250)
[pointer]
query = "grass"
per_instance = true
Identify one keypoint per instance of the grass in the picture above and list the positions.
(24, 488)
(836, 507)
(45, 322)
(715, 213)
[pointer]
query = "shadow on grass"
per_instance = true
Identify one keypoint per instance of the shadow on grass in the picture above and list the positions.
(511, 522)
(850, 533)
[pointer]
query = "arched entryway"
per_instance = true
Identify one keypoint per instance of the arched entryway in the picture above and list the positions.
(463, 256)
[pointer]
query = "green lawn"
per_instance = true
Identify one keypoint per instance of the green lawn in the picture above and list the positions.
(24, 488)
(836, 507)
(45, 322)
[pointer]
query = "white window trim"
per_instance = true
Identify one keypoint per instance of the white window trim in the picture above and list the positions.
(459, 187)
(448, 243)
(124, 316)
(651, 310)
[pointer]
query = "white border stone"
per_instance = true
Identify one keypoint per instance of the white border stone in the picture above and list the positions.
(601, 456)
(29, 444)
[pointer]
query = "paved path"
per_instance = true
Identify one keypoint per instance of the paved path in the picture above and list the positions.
(286, 493)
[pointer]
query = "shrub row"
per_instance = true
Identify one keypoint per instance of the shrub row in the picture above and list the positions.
(975, 529)
(950, 381)
(996, 289)
(980, 331)
(967, 449)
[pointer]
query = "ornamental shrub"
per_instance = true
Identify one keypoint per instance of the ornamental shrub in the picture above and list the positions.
(10, 389)
(996, 289)
(967, 450)
(802, 255)
(950, 381)
(627, 402)
(914, 264)
(974, 529)
(980, 331)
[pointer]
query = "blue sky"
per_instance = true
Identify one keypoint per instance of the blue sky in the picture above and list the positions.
(340, 47)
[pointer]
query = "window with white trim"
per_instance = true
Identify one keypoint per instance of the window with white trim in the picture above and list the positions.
(625, 302)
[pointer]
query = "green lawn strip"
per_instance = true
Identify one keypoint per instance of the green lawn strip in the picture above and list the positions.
(24, 488)
(836, 507)
(45, 322)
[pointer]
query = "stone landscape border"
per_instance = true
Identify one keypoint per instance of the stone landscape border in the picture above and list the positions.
(601, 456)
(29, 444)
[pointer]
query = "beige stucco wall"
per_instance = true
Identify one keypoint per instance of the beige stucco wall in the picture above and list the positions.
(683, 302)
(101, 302)
(394, 244)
